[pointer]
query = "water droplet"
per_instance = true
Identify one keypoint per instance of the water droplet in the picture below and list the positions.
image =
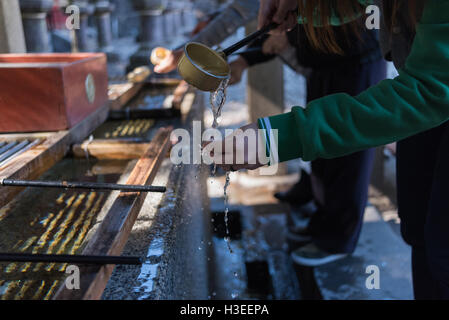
(236, 274)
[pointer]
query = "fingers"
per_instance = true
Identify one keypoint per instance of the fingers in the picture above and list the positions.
(266, 12)
(169, 63)
(229, 154)
(166, 65)
(280, 11)
(216, 152)
(292, 20)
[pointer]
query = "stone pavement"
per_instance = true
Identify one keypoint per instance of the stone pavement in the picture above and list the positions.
(258, 228)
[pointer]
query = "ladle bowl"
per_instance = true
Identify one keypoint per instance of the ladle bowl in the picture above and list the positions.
(203, 67)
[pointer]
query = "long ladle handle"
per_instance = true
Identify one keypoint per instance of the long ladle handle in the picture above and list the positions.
(249, 39)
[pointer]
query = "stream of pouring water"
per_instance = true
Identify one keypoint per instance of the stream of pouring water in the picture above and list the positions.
(86, 153)
(217, 101)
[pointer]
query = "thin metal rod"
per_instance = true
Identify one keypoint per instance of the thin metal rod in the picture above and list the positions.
(12, 151)
(249, 50)
(7, 147)
(81, 185)
(76, 259)
(16, 154)
(249, 39)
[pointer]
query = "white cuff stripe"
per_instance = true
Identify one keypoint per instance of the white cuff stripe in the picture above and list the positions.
(264, 128)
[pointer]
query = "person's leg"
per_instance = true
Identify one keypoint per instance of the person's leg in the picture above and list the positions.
(301, 192)
(416, 167)
(436, 233)
(424, 286)
(340, 186)
(344, 182)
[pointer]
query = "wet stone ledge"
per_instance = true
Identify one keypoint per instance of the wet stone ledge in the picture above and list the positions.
(172, 234)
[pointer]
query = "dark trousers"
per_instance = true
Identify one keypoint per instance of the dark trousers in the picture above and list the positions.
(423, 203)
(340, 186)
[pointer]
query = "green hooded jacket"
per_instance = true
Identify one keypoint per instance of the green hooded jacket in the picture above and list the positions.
(415, 101)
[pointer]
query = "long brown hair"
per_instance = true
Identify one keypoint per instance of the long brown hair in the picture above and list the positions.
(321, 11)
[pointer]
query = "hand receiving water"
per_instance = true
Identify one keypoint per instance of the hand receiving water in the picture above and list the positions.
(237, 156)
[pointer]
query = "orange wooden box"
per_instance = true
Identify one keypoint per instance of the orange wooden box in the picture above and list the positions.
(50, 92)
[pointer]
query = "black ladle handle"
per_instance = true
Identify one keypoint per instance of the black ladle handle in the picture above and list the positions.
(249, 39)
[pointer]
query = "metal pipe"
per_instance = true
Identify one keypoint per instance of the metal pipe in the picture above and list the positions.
(132, 114)
(8, 146)
(75, 259)
(81, 185)
(248, 50)
(228, 51)
(12, 151)
(22, 150)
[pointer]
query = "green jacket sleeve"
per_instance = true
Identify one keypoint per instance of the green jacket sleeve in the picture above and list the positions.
(415, 101)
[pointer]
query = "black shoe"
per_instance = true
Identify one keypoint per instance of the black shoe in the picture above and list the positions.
(300, 194)
(302, 236)
(312, 256)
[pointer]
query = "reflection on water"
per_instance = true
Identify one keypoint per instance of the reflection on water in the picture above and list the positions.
(51, 221)
(148, 99)
(125, 129)
(135, 129)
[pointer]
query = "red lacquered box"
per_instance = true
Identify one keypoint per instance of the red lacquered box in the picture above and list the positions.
(50, 92)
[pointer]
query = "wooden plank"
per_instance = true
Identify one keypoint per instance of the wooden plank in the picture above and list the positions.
(110, 149)
(34, 162)
(112, 234)
(163, 82)
(121, 94)
(25, 136)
